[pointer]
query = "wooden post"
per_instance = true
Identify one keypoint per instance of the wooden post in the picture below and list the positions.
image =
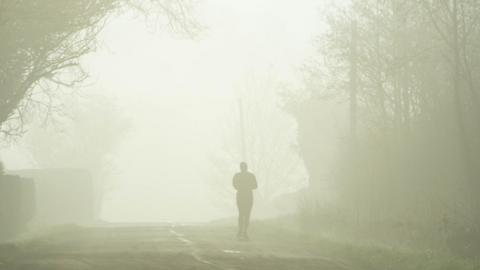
(242, 131)
(353, 83)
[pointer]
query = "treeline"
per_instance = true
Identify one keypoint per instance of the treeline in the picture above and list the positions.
(408, 70)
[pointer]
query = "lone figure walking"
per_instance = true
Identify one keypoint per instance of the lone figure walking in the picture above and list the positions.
(244, 182)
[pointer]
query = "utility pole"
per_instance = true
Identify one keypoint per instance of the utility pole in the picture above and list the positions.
(242, 130)
(353, 78)
(353, 83)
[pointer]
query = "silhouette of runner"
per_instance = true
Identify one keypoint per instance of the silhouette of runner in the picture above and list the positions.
(244, 182)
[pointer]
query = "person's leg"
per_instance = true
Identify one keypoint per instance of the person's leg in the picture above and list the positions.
(241, 217)
(246, 222)
(247, 211)
(240, 224)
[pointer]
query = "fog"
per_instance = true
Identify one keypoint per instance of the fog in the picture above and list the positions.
(221, 134)
(180, 99)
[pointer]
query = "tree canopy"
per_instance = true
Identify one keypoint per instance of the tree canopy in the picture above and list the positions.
(405, 69)
(43, 40)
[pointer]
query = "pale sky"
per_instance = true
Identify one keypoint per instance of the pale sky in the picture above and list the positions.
(177, 93)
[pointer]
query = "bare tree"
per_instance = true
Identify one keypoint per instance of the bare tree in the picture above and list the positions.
(43, 41)
(417, 111)
(268, 143)
(87, 137)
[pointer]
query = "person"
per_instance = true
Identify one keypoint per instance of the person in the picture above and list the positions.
(244, 182)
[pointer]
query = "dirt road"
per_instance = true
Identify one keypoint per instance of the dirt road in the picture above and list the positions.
(169, 246)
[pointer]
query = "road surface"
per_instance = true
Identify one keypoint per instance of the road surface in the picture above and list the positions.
(169, 246)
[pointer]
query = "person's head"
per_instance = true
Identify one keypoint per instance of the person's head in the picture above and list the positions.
(243, 167)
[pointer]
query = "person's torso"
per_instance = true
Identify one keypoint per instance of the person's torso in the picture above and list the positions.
(245, 182)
